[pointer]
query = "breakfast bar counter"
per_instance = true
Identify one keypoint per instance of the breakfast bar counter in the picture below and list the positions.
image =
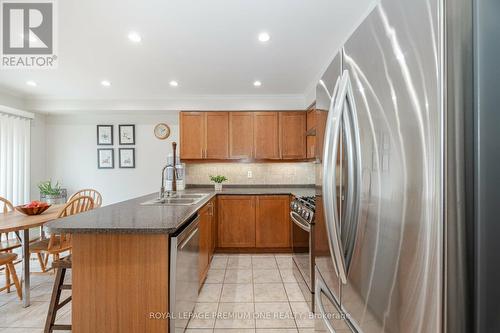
(123, 259)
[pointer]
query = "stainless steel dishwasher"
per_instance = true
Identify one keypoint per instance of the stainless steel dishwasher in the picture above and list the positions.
(184, 277)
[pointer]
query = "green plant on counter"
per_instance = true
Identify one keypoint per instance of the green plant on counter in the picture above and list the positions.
(218, 179)
(46, 188)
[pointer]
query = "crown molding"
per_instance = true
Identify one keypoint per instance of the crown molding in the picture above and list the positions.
(199, 102)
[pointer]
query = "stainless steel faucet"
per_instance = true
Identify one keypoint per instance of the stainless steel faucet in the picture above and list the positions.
(162, 188)
(174, 176)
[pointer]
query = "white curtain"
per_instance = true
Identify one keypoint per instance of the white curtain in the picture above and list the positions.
(15, 158)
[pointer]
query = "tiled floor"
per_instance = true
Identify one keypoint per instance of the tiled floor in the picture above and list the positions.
(251, 293)
(242, 294)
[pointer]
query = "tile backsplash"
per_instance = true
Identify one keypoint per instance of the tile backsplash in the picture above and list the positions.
(262, 173)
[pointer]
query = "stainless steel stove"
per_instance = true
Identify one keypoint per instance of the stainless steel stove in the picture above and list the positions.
(302, 210)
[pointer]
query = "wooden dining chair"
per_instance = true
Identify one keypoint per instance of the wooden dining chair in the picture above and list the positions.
(7, 244)
(91, 193)
(7, 205)
(61, 242)
(7, 258)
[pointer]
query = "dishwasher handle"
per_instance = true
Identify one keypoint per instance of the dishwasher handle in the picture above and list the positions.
(191, 235)
(185, 236)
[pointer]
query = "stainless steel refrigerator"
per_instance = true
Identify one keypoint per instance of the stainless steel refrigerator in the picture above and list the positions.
(390, 253)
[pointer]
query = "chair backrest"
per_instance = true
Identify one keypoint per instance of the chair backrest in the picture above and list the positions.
(76, 205)
(7, 205)
(91, 193)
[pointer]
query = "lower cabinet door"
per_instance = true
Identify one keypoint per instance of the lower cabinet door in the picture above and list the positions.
(272, 221)
(205, 236)
(236, 221)
(213, 229)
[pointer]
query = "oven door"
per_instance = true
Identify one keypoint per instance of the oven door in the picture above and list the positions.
(301, 245)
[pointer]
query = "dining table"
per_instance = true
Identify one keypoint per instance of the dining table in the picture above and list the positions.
(18, 222)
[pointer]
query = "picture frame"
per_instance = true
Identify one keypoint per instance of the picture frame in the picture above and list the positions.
(126, 134)
(105, 158)
(126, 158)
(105, 135)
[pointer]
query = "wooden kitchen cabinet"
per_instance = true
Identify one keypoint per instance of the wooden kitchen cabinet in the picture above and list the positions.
(293, 134)
(252, 136)
(192, 135)
(204, 135)
(207, 237)
(213, 228)
(236, 221)
(217, 135)
(272, 227)
(241, 135)
(205, 230)
(311, 133)
(321, 117)
(266, 135)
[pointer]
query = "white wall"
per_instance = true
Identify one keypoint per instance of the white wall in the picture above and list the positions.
(72, 153)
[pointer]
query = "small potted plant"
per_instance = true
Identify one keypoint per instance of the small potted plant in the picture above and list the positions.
(51, 194)
(218, 180)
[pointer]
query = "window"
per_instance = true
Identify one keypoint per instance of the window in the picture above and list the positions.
(14, 158)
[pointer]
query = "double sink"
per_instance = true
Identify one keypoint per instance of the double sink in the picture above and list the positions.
(177, 199)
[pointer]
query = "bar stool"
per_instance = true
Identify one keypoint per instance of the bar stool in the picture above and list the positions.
(57, 244)
(60, 266)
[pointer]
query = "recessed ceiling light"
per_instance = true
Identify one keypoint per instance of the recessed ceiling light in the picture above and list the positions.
(134, 37)
(105, 83)
(257, 83)
(31, 83)
(264, 37)
(174, 83)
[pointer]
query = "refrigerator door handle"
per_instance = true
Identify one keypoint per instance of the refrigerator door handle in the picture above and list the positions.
(353, 148)
(329, 181)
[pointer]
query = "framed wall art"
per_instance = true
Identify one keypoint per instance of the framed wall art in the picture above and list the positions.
(127, 134)
(105, 135)
(105, 158)
(127, 158)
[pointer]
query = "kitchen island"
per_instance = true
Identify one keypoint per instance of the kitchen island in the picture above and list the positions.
(121, 259)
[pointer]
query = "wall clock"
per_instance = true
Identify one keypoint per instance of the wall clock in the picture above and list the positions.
(162, 131)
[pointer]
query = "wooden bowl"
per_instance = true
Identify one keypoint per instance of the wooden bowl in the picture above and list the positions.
(32, 211)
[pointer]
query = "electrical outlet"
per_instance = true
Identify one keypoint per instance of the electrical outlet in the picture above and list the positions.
(249, 174)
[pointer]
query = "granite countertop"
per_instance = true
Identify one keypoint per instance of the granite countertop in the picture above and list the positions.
(132, 217)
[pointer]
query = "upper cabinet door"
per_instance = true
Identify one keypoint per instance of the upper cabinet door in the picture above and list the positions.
(266, 135)
(192, 135)
(311, 133)
(293, 134)
(241, 126)
(217, 135)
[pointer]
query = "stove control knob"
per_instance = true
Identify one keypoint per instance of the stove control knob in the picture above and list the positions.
(305, 215)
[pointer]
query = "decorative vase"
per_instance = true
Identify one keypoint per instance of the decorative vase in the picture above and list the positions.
(55, 199)
(218, 186)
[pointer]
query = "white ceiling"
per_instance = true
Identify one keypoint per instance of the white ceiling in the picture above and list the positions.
(209, 47)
